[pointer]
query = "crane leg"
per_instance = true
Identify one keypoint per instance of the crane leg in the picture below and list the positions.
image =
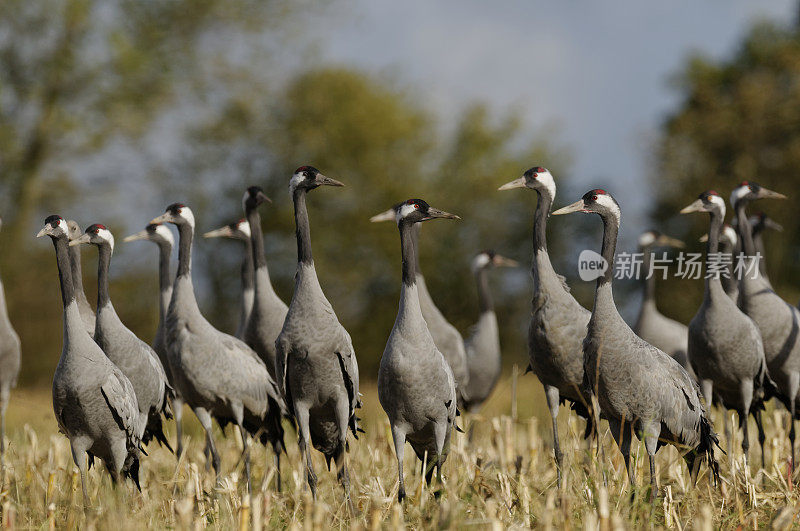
(761, 436)
(621, 431)
(746, 390)
(302, 416)
(177, 411)
(246, 457)
(440, 432)
(399, 437)
(277, 470)
(79, 457)
(205, 420)
(552, 403)
(651, 434)
(340, 458)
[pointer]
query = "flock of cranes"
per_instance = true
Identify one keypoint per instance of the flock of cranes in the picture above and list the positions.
(295, 365)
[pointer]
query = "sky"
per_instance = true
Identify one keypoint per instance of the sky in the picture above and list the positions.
(596, 75)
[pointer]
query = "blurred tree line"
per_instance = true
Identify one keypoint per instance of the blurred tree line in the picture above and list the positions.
(111, 110)
(739, 119)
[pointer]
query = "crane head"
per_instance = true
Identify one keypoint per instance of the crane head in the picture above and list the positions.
(154, 232)
(55, 227)
(96, 234)
(595, 201)
(308, 178)
(177, 214)
(238, 230)
(537, 178)
(750, 191)
(253, 197)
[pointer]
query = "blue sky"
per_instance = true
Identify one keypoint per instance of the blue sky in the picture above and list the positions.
(594, 74)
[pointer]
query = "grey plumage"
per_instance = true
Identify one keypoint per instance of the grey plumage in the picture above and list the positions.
(725, 346)
(639, 388)
(87, 313)
(216, 374)
(651, 325)
(446, 336)
(135, 358)
(483, 344)
(777, 320)
(558, 323)
(416, 386)
(9, 365)
(269, 311)
(240, 231)
(162, 237)
(93, 401)
(315, 362)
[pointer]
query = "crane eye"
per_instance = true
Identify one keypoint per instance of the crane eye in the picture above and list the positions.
(416, 206)
(594, 198)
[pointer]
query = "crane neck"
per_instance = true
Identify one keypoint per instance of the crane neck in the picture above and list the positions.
(103, 265)
(185, 237)
(485, 301)
(248, 271)
(75, 267)
(610, 233)
(302, 228)
(713, 282)
(543, 206)
(164, 278)
(415, 230)
(744, 229)
(259, 257)
(408, 250)
(64, 263)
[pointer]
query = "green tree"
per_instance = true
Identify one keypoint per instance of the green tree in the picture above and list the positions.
(386, 147)
(739, 119)
(76, 77)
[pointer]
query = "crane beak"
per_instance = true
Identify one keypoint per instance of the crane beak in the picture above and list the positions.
(44, 232)
(222, 232)
(704, 238)
(668, 241)
(774, 225)
(163, 218)
(83, 238)
(516, 183)
(321, 180)
(697, 206)
(436, 213)
(577, 206)
(763, 193)
(261, 197)
(141, 235)
(502, 261)
(383, 216)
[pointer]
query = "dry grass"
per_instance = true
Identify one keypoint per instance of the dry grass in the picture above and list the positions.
(505, 477)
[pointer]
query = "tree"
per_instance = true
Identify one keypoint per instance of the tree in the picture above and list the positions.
(739, 120)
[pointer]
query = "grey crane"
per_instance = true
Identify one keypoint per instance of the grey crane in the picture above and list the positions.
(314, 358)
(446, 336)
(162, 236)
(416, 386)
(240, 230)
(558, 323)
(9, 365)
(777, 320)
(216, 374)
(725, 346)
(269, 311)
(87, 313)
(654, 327)
(93, 401)
(639, 388)
(483, 344)
(135, 358)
